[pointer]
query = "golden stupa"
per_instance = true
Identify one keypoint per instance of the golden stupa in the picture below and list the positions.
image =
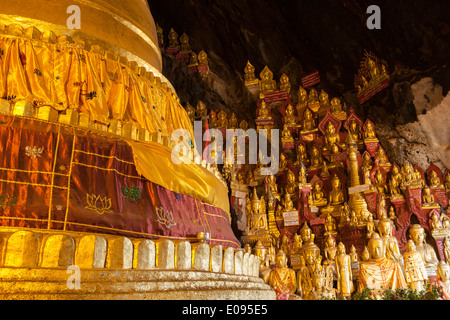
(91, 205)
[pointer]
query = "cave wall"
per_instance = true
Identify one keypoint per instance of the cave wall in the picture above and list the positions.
(299, 37)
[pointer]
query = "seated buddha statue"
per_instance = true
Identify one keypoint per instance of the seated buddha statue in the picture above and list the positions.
(417, 234)
(334, 162)
(394, 183)
(202, 58)
(306, 234)
(308, 123)
(284, 244)
(283, 163)
(288, 205)
(302, 96)
(324, 102)
(428, 199)
(336, 111)
(435, 182)
(369, 133)
(302, 156)
(367, 161)
(336, 196)
(173, 39)
(381, 157)
(222, 121)
(193, 59)
(331, 137)
(378, 272)
(316, 159)
(330, 225)
(267, 84)
(318, 197)
(284, 83)
(249, 74)
(380, 186)
(212, 119)
(435, 223)
(282, 277)
(409, 177)
(290, 118)
(272, 187)
(286, 135)
(201, 110)
(243, 125)
(297, 245)
(313, 100)
(415, 271)
(233, 122)
(355, 131)
(263, 111)
(184, 40)
(291, 184)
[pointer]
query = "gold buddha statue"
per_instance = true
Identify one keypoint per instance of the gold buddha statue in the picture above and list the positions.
(417, 234)
(201, 110)
(334, 162)
(378, 272)
(288, 205)
(286, 135)
(344, 271)
(379, 182)
(369, 133)
(355, 131)
(302, 156)
(415, 271)
(306, 234)
(260, 251)
(173, 39)
(337, 112)
(193, 60)
(409, 177)
(283, 163)
(322, 284)
(291, 183)
(324, 103)
(331, 138)
(318, 196)
(190, 111)
(243, 125)
(316, 159)
(272, 187)
(353, 255)
(267, 84)
(233, 122)
(443, 273)
(284, 83)
(290, 119)
(249, 74)
(313, 100)
(330, 225)
(302, 179)
(184, 40)
(336, 196)
(284, 244)
(302, 96)
(381, 157)
(436, 224)
(435, 182)
(311, 254)
(395, 182)
(297, 245)
(385, 227)
(282, 277)
(428, 199)
(222, 121)
(367, 161)
(212, 119)
(202, 58)
(370, 227)
(263, 111)
(308, 123)
(392, 214)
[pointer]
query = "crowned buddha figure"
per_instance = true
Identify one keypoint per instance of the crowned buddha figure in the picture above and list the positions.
(443, 273)
(369, 133)
(381, 157)
(344, 271)
(282, 277)
(313, 100)
(184, 40)
(385, 227)
(289, 119)
(302, 103)
(316, 161)
(249, 74)
(267, 84)
(233, 122)
(379, 272)
(373, 69)
(330, 225)
(302, 176)
(322, 284)
(308, 123)
(291, 183)
(428, 199)
(318, 196)
(415, 271)
(201, 110)
(263, 111)
(173, 39)
(284, 83)
(222, 121)
(337, 112)
(435, 182)
(331, 137)
(417, 234)
(380, 186)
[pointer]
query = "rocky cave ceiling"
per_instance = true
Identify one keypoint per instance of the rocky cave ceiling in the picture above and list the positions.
(299, 37)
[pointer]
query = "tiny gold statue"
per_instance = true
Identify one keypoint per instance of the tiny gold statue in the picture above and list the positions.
(263, 111)
(193, 60)
(428, 199)
(415, 272)
(243, 125)
(379, 273)
(272, 188)
(330, 251)
(344, 215)
(202, 58)
(344, 271)
(190, 111)
(334, 162)
(308, 123)
(316, 159)
(290, 119)
(324, 103)
(318, 197)
(287, 203)
(233, 122)
(417, 234)
(286, 135)
(369, 133)
(392, 214)
(381, 157)
(284, 245)
(261, 252)
(331, 138)
(297, 245)
(330, 225)
(282, 279)
(249, 74)
(284, 83)
(283, 163)
(267, 84)
(173, 39)
(336, 111)
(291, 183)
(367, 161)
(313, 100)
(365, 255)
(379, 182)
(353, 255)
(201, 110)
(184, 40)
(302, 156)
(311, 254)
(302, 100)
(395, 182)
(336, 196)
(435, 182)
(354, 130)
(306, 234)
(436, 224)
(222, 121)
(370, 227)
(410, 178)
(443, 273)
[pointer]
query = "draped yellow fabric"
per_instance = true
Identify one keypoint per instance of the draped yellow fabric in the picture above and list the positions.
(64, 76)
(154, 162)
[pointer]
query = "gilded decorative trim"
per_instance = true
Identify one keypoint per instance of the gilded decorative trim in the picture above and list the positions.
(50, 202)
